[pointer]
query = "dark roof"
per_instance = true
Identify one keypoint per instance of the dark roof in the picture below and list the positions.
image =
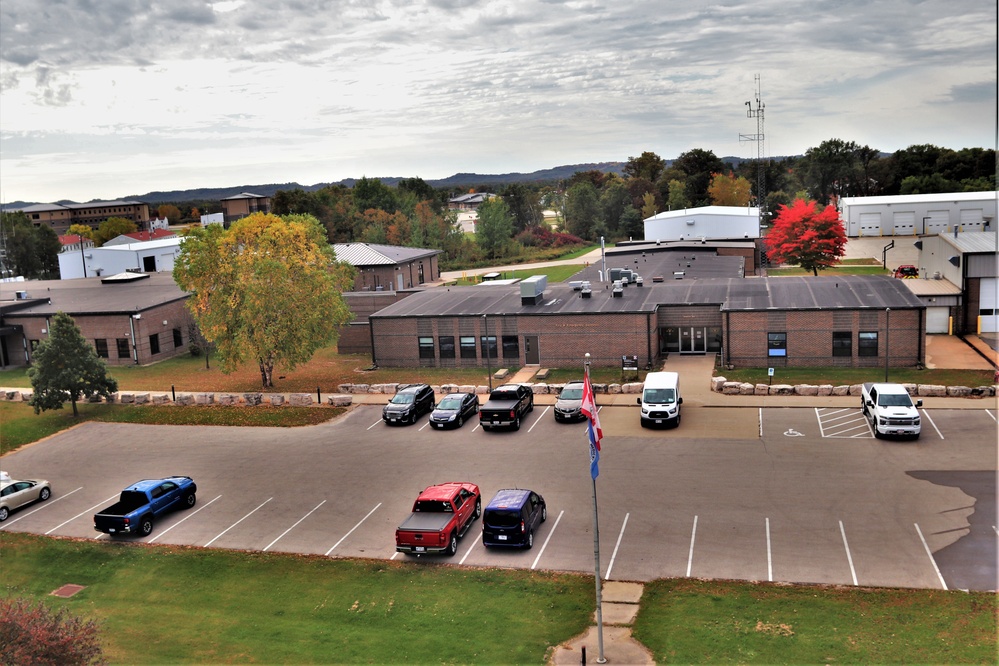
(93, 295)
(783, 293)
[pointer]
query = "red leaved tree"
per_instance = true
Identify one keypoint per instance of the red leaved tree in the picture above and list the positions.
(804, 235)
(33, 634)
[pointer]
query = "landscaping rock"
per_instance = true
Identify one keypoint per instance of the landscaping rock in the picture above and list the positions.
(931, 391)
(806, 389)
(781, 389)
(141, 398)
(228, 399)
(277, 399)
(958, 391)
(717, 383)
(732, 388)
(761, 389)
(745, 388)
(185, 399)
(126, 398)
(341, 400)
(204, 398)
(253, 399)
(300, 399)
(841, 390)
(825, 389)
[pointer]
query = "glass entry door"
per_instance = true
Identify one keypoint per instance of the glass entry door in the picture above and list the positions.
(693, 340)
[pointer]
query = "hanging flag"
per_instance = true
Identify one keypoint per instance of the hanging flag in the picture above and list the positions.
(593, 431)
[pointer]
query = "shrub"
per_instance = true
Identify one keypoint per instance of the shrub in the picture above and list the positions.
(31, 633)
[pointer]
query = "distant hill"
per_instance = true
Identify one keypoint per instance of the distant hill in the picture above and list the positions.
(457, 181)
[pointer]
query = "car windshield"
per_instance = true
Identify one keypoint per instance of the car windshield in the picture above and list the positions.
(403, 399)
(661, 396)
(894, 400)
(571, 393)
(449, 403)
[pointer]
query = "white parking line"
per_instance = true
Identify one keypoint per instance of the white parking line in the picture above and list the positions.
(83, 513)
(374, 424)
(761, 422)
(616, 546)
(943, 583)
(690, 555)
(46, 503)
(237, 522)
(547, 539)
(991, 414)
(770, 559)
(190, 515)
(469, 551)
(926, 414)
(541, 416)
(849, 557)
(268, 546)
(354, 528)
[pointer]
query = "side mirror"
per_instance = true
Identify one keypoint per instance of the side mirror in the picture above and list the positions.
(638, 401)
(919, 403)
(679, 401)
(870, 403)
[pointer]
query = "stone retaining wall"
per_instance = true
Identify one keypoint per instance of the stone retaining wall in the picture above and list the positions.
(722, 385)
(183, 399)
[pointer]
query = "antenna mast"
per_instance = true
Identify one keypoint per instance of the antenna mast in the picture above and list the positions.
(761, 173)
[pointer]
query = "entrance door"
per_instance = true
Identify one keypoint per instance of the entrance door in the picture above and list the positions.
(693, 340)
(532, 353)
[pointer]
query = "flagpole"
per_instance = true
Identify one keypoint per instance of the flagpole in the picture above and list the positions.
(596, 549)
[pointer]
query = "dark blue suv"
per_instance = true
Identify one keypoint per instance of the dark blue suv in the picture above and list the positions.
(511, 518)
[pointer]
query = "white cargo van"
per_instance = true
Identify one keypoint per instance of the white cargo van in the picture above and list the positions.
(661, 399)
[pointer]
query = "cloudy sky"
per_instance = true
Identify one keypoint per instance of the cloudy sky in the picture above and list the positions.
(101, 99)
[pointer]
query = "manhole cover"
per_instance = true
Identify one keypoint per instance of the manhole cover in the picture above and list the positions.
(68, 590)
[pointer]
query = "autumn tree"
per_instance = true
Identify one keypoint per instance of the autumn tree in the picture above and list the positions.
(729, 190)
(169, 211)
(268, 290)
(805, 235)
(112, 228)
(32, 633)
(65, 367)
(84, 230)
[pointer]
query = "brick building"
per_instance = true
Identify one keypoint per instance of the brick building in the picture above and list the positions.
(389, 267)
(240, 205)
(59, 217)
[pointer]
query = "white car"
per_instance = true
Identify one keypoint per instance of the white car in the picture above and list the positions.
(15, 494)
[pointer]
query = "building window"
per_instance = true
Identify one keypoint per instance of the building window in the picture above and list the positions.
(467, 343)
(867, 343)
(842, 343)
(154, 343)
(426, 348)
(178, 339)
(122, 347)
(446, 346)
(101, 345)
(488, 343)
(776, 344)
(511, 347)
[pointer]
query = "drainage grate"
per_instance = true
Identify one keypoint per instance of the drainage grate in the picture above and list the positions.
(68, 590)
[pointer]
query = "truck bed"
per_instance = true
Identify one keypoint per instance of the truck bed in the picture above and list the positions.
(426, 522)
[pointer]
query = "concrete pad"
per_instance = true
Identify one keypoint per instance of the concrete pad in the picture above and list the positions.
(619, 648)
(621, 592)
(618, 614)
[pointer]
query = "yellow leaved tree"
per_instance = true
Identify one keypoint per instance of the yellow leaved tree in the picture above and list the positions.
(267, 290)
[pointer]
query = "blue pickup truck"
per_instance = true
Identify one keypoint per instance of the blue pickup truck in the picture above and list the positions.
(143, 502)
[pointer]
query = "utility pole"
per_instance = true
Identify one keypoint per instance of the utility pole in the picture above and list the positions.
(761, 173)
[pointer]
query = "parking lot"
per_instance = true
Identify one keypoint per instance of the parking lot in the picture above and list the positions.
(800, 495)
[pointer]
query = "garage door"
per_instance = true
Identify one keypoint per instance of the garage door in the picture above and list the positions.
(937, 222)
(870, 224)
(938, 320)
(905, 223)
(988, 315)
(972, 220)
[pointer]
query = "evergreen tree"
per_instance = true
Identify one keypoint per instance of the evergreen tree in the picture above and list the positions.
(64, 367)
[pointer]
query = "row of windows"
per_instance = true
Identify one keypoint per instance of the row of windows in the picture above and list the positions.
(469, 346)
(842, 343)
(124, 351)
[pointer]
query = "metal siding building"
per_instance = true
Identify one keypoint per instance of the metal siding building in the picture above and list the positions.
(917, 214)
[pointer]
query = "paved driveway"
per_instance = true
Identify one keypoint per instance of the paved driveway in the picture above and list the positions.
(785, 494)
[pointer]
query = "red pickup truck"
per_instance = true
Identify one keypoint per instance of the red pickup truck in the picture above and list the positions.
(441, 514)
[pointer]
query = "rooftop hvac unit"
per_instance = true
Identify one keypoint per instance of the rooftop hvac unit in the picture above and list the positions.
(532, 289)
(21, 295)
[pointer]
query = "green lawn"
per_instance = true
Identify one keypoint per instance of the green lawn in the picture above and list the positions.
(167, 604)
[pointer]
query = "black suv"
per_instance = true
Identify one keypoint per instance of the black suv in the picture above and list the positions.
(408, 404)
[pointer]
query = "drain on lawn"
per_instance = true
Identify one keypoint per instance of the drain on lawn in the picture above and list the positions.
(68, 590)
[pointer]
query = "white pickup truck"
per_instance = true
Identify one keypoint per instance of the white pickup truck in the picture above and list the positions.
(890, 409)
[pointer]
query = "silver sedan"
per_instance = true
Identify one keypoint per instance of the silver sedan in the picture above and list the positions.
(15, 494)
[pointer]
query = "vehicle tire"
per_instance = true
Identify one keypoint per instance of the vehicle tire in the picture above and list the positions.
(544, 513)
(530, 541)
(516, 424)
(190, 499)
(3, 513)
(530, 408)
(677, 421)
(452, 546)
(146, 526)
(478, 509)
(461, 420)
(45, 494)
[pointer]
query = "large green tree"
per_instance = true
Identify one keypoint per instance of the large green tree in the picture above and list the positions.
(807, 235)
(494, 228)
(30, 251)
(649, 166)
(582, 213)
(65, 367)
(699, 166)
(268, 290)
(112, 228)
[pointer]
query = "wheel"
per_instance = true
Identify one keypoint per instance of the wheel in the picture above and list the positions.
(190, 500)
(478, 508)
(516, 424)
(544, 513)
(452, 547)
(3, 513)
(461, 420)
(530, 541)
(45, 494)
(530, 408)
(677, 421)
(146, 526)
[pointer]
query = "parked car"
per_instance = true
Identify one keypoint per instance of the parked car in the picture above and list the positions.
(408, 404)
(15, 494)
(453, 409)
(143, 502)
(511, 518)
(570, 400)
(506, 406)
(441, 515)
